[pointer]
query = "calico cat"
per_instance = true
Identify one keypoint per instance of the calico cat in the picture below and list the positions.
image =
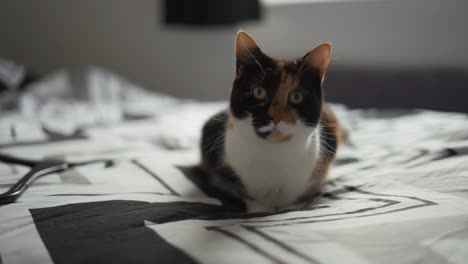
(274, 145)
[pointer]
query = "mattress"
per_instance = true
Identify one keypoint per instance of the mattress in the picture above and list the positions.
(397, 192)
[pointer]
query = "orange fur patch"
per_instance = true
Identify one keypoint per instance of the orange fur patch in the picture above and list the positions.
(280, 109)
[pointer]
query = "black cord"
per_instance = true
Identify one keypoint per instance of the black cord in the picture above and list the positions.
(14, 160)
(38, 169)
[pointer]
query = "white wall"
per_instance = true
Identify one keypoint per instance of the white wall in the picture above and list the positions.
(388, 33)
(127, 37)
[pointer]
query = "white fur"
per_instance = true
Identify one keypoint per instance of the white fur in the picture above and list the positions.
(267, 128)
(274, 174)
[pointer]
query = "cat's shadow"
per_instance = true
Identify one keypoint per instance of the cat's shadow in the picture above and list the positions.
(231, 204)
(197, 175)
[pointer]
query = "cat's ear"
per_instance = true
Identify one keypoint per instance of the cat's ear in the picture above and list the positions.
(247, 49)
(319, 58)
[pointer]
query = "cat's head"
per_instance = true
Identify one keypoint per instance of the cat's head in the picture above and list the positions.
(277, 97)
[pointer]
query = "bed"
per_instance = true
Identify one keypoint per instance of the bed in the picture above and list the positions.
(397, 192)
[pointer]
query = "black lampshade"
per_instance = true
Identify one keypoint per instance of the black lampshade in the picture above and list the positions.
(210, 12)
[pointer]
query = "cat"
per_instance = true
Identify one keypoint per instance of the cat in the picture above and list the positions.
(273, 147)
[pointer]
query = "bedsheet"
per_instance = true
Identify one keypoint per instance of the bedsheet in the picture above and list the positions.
(397, 192)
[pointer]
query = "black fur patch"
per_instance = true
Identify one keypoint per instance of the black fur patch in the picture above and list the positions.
(250, 75)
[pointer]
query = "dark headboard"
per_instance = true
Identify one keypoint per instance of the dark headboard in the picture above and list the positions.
(444, 90)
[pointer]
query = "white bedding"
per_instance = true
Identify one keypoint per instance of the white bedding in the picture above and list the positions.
(398, 192)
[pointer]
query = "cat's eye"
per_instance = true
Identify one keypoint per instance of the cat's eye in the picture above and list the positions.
(295, 97)
(259, 93)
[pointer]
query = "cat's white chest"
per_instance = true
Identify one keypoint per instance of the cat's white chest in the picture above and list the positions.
(274, 174)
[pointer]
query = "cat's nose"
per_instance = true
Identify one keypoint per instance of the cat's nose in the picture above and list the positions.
(274, 112)
(275, 116)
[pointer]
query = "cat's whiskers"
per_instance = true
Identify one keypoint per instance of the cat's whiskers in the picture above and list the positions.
(220, 118)
(300, 68)
(328, 126)
(251, 54)
(302, 72)
(214, 140)
(325, 138)
(327, 148)
(323, 124)
(309, 124)
(216, 143)
(329, 134)
(326, 152)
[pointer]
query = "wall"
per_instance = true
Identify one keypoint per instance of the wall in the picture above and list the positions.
(126, 36)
